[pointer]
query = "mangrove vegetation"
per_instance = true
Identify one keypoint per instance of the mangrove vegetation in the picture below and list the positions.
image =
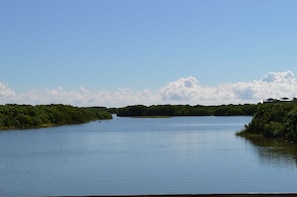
(277, 120)
(187, 110)
(14, 116)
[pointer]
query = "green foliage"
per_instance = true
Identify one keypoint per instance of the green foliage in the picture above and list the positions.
(27, 116)
(187, 110)
(277, 120)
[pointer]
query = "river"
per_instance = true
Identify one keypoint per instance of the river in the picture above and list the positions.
(177, 155)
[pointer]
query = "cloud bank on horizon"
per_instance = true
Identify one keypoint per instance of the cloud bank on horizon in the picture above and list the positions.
(182, 91)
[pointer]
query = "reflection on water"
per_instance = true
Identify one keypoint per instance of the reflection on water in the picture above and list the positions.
(144, 156)
(274, 151)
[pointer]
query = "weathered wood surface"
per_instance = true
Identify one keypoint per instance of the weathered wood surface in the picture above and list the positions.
(206, 195)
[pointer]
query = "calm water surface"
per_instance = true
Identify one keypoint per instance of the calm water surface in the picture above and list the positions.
(144, 156)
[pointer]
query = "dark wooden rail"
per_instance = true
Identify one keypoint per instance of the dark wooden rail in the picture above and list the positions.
(206, 195)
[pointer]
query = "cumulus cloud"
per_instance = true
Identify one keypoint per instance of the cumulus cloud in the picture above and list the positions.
(273, 84)
(279, 77)
(5, 92)
(182, 91)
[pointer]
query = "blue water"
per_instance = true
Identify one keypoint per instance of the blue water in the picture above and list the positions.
(144, 156)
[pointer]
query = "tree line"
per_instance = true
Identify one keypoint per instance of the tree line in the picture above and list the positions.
(13, 116)
(187, 110)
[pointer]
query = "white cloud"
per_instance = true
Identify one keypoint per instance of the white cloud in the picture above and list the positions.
(182, 91)
(5, 93)
(273, 84)
(279, 77)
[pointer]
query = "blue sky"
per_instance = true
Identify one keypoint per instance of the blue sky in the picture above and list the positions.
(113, 46)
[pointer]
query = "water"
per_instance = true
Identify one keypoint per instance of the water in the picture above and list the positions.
(144, 156)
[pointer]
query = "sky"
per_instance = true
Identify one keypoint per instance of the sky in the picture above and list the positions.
(116, 53)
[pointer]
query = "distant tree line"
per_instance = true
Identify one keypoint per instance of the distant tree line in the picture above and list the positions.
(14, 116)
(187, 110)
(277, 120)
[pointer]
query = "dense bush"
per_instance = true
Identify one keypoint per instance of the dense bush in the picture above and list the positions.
(277, 120)
(14, 116)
